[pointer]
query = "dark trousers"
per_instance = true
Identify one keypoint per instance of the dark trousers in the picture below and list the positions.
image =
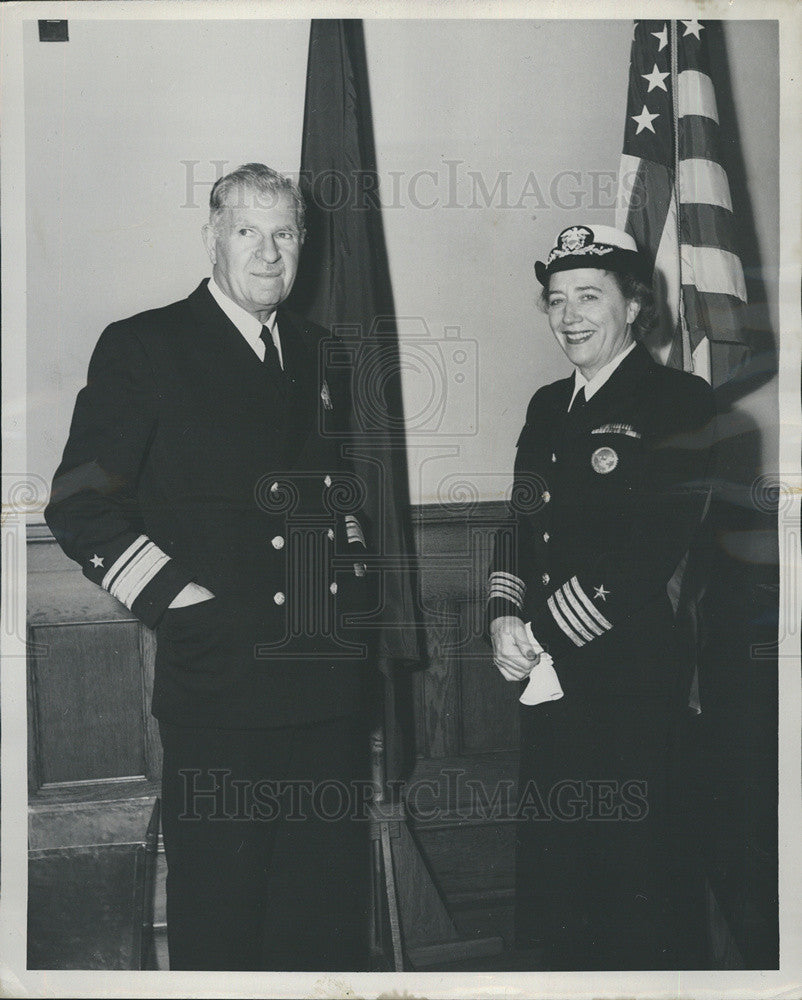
(267, 847)
(596, 852)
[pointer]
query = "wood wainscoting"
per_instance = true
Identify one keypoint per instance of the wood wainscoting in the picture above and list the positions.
(463, 781)
(94, 757)
(94, 751)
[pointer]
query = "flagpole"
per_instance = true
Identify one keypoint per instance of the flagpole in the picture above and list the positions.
(687, 352)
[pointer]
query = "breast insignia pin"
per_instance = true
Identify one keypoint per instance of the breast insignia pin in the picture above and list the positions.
(604, 460)
(325, 395)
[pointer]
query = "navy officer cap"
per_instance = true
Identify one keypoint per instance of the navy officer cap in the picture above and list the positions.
(602, 246)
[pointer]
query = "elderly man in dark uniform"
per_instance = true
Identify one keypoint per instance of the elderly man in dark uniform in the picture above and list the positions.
(202, 485)
(610, 485)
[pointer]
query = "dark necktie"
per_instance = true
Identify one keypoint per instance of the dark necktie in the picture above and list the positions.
(578, 402)
(271, 362)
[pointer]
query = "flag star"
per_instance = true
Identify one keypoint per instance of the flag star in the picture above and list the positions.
(96, 561)
(644, 120)
(599, 593)
(655, 79)
(693, 28)
(662, 37)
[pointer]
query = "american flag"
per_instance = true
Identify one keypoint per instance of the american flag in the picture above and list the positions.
(671, 156)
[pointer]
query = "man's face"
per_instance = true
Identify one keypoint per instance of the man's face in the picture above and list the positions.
(254, 249)
(589, 317)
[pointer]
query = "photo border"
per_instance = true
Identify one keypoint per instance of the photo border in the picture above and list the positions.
(15, 980)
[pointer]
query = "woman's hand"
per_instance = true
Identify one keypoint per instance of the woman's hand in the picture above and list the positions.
(513, 653)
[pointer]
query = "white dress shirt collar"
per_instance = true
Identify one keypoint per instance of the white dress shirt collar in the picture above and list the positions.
(592, 386)
(248, 325)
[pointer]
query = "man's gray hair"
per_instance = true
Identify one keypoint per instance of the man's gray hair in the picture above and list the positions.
(264, 182)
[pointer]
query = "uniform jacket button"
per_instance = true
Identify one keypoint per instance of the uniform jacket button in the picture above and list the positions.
(546, 496)
(327, 481)
(545, 578)
(274, 487)
(277, 542)
(279, 598)
(546, 536)
(330, 534)
(553, 457)
(333, 588)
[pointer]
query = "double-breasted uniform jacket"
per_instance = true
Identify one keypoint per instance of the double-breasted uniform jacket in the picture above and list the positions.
(606, 501)
(188, 461)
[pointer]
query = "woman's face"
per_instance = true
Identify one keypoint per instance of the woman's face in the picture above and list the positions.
(589, 317)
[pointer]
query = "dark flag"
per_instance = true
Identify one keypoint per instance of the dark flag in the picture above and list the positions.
(344, 285)
(671, 157)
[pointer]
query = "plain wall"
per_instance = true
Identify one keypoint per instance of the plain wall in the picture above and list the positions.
(537, 107)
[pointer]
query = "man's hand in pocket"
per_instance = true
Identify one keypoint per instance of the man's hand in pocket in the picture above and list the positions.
(193, 593)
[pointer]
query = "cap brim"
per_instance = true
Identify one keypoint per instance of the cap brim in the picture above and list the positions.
(621, 260)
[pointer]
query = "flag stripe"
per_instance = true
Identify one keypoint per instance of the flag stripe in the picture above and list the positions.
(649, 203)
(701, 360)
(667, 264)
(695, 95)
(727, 357)
(627, 175)
(713, 270)
(703, 181)
(700, 137)
(707, 226)
(709, 311)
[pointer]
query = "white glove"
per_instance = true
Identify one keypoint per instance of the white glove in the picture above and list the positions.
(544, 685)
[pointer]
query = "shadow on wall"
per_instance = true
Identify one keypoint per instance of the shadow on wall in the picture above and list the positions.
(732, 773)
(756, 314)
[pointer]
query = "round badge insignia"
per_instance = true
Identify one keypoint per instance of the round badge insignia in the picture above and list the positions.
(604, 460)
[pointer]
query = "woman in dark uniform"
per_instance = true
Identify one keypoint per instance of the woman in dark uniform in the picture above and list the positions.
(611, 482)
